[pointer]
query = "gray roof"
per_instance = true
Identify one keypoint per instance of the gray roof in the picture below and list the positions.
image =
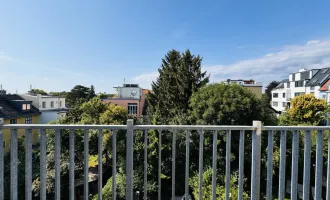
(319, 78)
(281, 85)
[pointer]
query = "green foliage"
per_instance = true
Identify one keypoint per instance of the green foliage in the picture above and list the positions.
(59, 94)
(207, 186)
(179, 76)
(305, 110)
(38, 91)
(221, 104)
(92, 110)
(105, 95)
(268, 91)
(114, 115)
(107, 189)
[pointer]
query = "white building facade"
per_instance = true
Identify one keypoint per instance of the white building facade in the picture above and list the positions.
(51, 107)
(302, 82)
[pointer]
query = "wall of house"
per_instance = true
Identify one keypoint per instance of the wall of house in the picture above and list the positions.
(126, 92)
(47, 116)
(20, 132)
(280, 99)
(255, 90)
(48, 101)
(124, 103)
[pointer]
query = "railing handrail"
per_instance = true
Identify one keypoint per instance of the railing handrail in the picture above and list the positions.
(61, 126)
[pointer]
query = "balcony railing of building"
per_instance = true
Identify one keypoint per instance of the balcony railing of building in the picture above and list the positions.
(257, 132)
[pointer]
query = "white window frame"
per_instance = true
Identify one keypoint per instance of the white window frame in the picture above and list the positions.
(132, 108)
(28, 120)
(274, 95)
(43, 104)
(52, 104)
(275, 104)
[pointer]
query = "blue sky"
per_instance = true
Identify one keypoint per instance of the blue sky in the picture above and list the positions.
(55, 45)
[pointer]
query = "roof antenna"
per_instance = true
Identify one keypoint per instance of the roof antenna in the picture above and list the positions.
(1, 87)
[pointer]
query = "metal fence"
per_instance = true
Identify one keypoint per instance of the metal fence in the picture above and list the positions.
(257, 131)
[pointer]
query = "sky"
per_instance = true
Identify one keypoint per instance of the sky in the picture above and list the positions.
(55, 45)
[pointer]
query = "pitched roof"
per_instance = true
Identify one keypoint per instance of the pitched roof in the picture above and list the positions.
(281, 85)
(319, 78)
(10, 107)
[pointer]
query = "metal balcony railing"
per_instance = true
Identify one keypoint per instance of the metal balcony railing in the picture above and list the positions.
(257, 131)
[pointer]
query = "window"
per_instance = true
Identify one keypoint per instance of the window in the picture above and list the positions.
(13, 121)
(284, 104)
(24, 107)
(275, 104)
(28, 120)
(28, 106)
(283, 95)
(323, 96)
(4, 144)
(299, 84)
(275, 95)
(60, 104)
(52, 104)
(132, 108)
(312, 88)
(288, 85)
(44, 104)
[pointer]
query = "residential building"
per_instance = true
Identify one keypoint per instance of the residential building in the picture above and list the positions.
(16, 110)
(131, 97)
(51, 107)
(252, 85)
(313, 81)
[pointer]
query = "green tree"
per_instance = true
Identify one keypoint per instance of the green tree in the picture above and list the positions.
(220, 189)
(221, 104)
(305, 110)
(179, 76)
(38, 91)
(114, 115)
(59, 94)
(92, 111)
(268, 91)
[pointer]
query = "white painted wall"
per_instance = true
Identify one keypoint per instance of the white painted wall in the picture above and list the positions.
(126, 92)
(280, 99)
(297, 77)
(39, 99)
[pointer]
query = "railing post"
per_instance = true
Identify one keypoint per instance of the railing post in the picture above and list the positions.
(256, 159)
(129, 160)
(2, 150)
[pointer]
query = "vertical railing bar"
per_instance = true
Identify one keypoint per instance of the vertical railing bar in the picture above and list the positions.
(57, 164)
(173, 163)
(28, 164)
(72, 165)
(307, 163)
(201, 144)
(270, 165)
(43, 144)
(145, 174)
(241, 165)
(13, 165)
(114, 164)
(100, 176)
(129, 160)
(86, 169)
(214, 166)
(328, 170)
(159, 165)
(2, 150)
(319, 165)
(281, 192)
(256, 161)
(294, 170)
(228, 144)
(187, 164)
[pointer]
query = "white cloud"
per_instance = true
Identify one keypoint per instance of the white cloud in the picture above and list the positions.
(5, 57)
(145, 80)
(272, 66)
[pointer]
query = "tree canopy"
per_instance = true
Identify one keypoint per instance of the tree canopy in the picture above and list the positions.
(179, 76)
(305, 110)
(221, 104)
(39, 91)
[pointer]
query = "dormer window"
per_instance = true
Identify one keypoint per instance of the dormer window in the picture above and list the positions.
(26, 106)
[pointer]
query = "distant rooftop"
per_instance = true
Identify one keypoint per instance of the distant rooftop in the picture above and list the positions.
(128, 85)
